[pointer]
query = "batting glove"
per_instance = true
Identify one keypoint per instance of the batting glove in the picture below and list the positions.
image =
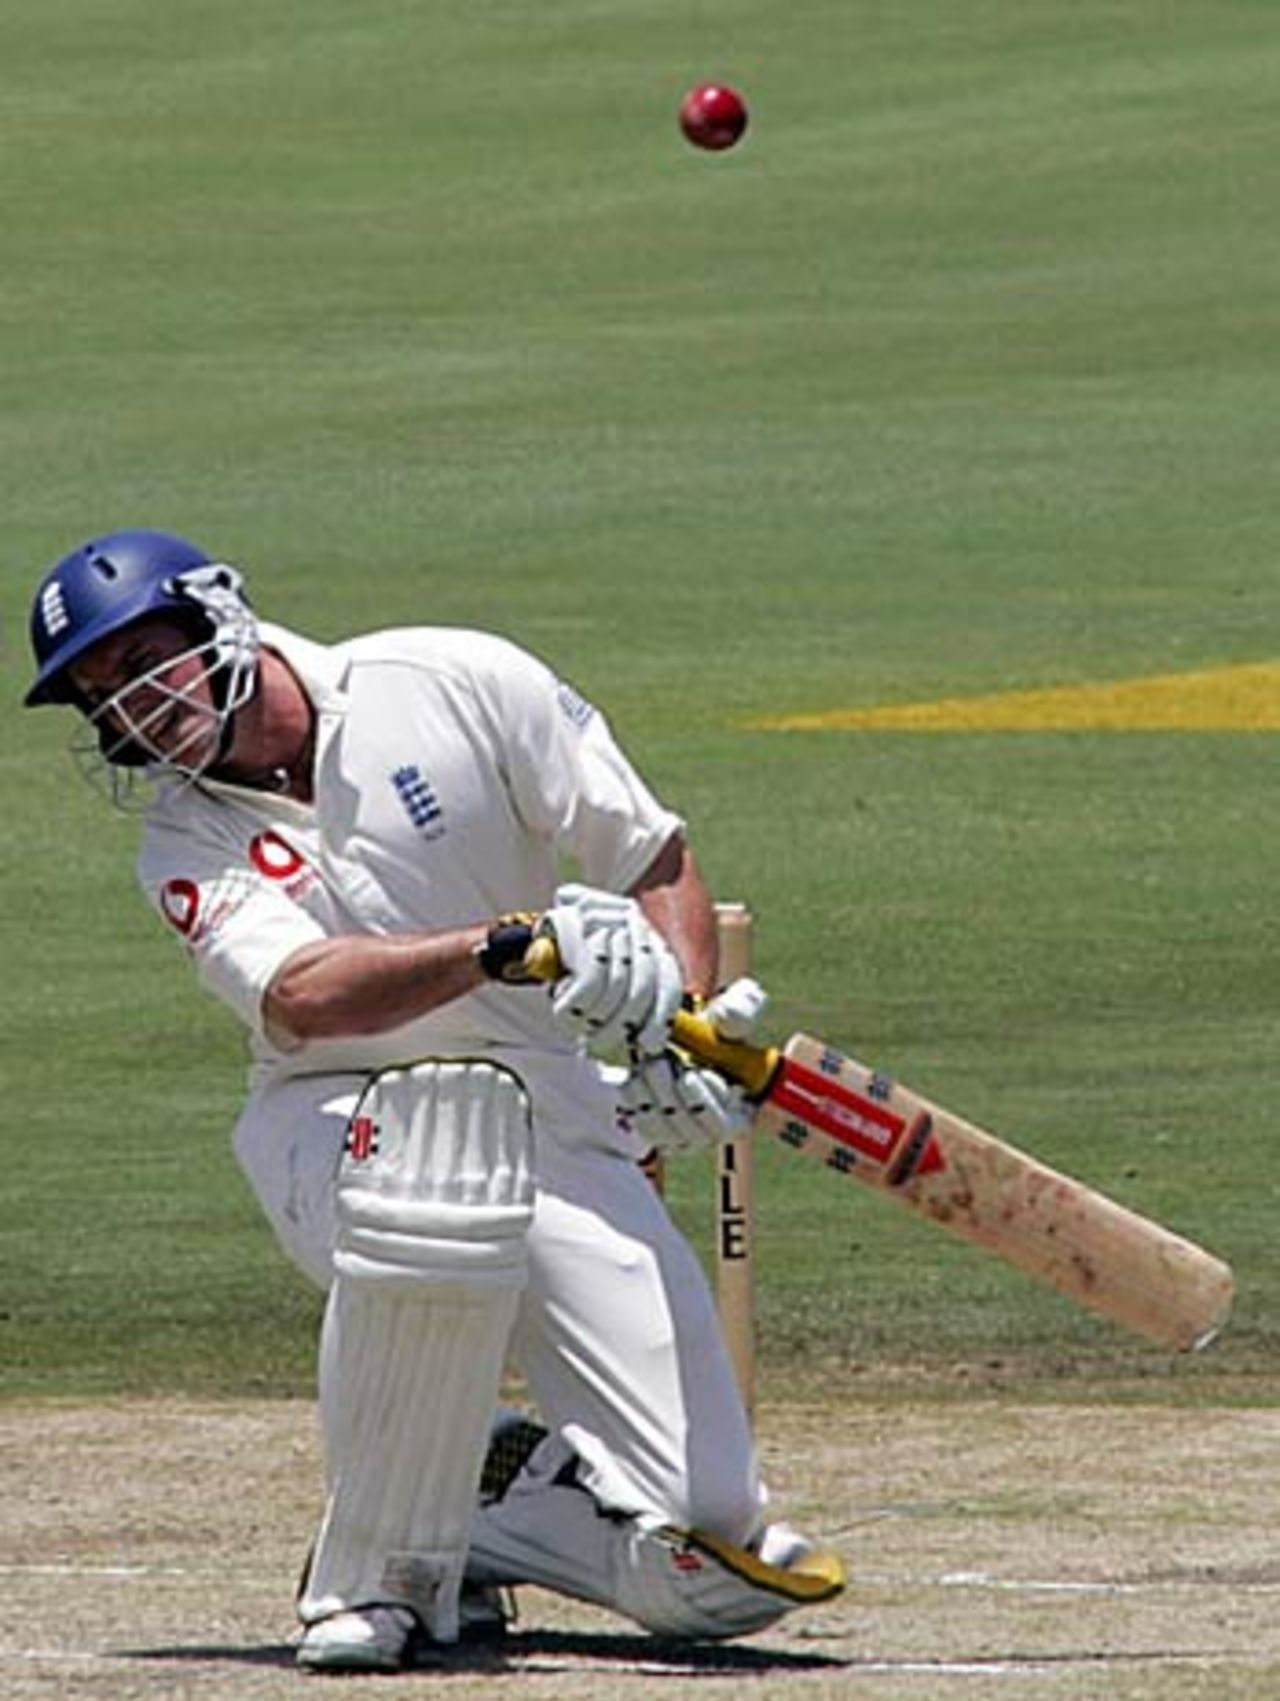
(621, 983)
(674, 1106)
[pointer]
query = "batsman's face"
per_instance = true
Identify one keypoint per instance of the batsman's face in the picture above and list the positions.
(147, 686)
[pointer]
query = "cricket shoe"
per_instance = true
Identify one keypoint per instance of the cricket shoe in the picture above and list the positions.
(374, 1638)
(781, 1563)
(390, 1638)
(485, 1612)
(785, 1547)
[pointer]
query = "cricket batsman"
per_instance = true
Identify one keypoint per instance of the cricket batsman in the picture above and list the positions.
(355, 845)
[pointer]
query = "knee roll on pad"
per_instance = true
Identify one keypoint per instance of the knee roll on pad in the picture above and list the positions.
(436, 1181)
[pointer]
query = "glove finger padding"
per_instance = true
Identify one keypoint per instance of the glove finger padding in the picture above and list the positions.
(594, 909)
(676, 1108)
(622, 988)
(735, 1010)
(622, 985)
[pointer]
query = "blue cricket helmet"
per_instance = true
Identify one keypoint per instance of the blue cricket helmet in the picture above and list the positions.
(107, 583)
(113, 582)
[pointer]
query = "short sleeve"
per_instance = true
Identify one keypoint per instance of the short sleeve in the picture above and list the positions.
(569, 777)
(237, 925)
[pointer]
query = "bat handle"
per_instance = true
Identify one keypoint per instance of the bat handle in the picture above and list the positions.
(751, 1066)
(542, 959)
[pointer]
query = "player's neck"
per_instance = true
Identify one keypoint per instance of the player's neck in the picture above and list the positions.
(275, 737)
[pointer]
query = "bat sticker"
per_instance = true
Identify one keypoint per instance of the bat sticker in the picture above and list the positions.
(795, 1134)
(837, 1111)
(922, 1155)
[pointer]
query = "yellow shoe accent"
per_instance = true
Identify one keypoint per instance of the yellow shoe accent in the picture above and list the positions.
(815, 1576)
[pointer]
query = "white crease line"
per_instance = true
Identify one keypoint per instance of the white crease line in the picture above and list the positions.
(51, 1570)
(1036, 1586)
(1031, 1667)
(130, 1573)
(964, 1668)
(1059, 1585)
(1102, 1586)
(84, 1656)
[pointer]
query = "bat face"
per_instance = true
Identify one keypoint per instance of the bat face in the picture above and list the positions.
(1107, 1258)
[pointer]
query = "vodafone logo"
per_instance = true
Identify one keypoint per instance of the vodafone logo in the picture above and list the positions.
(180, 902)
(275, 857)
(276, 860)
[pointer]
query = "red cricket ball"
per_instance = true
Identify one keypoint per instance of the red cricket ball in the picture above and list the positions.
(713, 116)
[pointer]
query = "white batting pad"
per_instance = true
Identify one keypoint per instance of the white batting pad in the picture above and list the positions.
(434, 1201)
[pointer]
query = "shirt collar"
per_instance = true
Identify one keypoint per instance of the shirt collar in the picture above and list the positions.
(322, 668)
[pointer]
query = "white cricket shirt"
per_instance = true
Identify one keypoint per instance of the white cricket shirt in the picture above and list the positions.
(454, 775)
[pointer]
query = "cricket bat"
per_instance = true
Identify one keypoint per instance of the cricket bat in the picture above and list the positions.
(1105, 1257)
(858, 1121)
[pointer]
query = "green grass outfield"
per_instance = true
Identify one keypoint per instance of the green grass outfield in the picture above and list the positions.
(958, 377)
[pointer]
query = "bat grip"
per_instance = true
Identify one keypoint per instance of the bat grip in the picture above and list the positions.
(751, 1066)
(542, 959)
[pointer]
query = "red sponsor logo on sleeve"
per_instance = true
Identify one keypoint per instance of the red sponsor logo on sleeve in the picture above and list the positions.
(275, 857)
(180, 905)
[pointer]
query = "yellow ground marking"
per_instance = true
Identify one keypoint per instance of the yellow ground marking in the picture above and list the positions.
(1221, 699)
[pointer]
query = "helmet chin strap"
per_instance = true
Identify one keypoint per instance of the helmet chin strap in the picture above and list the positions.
(273, 779)
(227, 728)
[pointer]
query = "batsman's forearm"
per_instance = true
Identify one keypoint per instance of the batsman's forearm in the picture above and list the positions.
(362, 985)
(676, 901)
